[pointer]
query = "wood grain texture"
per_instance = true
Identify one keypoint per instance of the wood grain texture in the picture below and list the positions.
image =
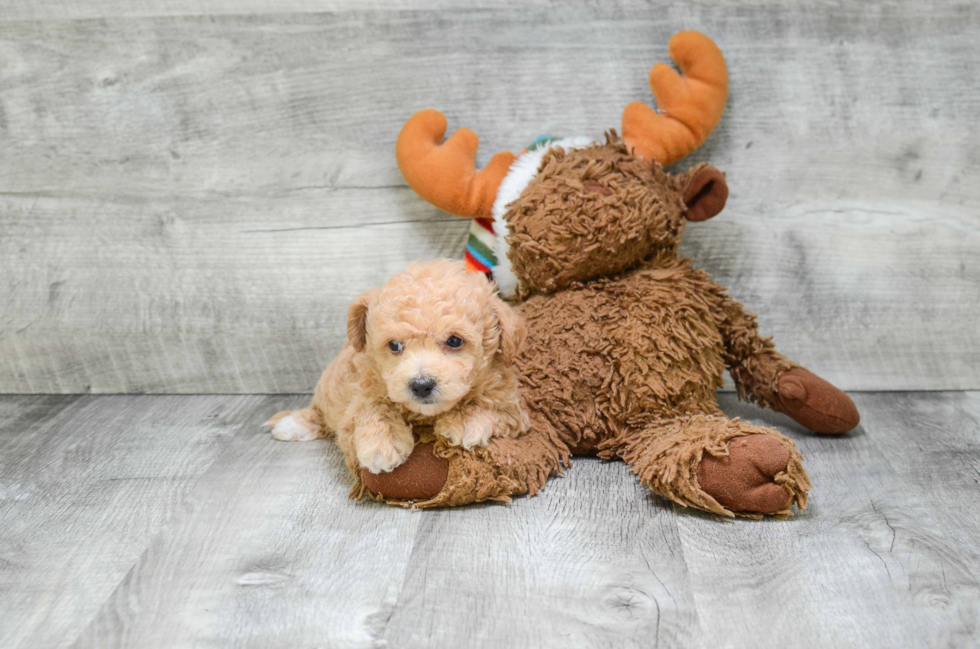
(269, 551)
(189, 200)
(877, 560)
(89, 9)
(175, 521)
(85, 484)
(593, 562)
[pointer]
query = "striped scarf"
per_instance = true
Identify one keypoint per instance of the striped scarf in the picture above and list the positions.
(480, 256)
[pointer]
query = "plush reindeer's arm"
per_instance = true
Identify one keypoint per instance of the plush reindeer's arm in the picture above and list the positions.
(766, 377)
(752, 360)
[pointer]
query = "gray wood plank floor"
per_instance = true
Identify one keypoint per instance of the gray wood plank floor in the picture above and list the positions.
(193, 191)
(176, 521)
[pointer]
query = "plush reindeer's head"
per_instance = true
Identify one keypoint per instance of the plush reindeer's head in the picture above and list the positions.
(572, 210)
(598, 211)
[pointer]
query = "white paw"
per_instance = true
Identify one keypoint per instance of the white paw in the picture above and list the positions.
(449, 429)
(292, 429)
(477, 432)
(380, 454)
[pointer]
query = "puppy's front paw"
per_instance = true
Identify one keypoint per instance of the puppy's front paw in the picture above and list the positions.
(382, 457)
(477, 431)
(468, 431)
(451, 429)
(380, 450)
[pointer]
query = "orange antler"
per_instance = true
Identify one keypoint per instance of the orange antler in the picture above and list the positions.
(445, 174)
(690, 105)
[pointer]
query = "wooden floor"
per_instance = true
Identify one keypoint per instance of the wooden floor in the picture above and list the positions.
(175, 520)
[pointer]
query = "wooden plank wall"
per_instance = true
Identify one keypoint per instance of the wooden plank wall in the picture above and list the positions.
(192, 191)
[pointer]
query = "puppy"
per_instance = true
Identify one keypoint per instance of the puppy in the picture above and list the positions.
(434, 347)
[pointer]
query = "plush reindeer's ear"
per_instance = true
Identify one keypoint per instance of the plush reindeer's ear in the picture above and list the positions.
(357, 322)
(512, 329)
(706, 194)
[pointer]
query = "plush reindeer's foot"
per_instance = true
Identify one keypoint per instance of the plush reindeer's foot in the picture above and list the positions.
(439, 474)
(720, 465)
(420, 477)
(814, 403)
(744, 480)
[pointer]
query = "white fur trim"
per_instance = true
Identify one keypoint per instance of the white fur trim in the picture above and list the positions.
(518, 177)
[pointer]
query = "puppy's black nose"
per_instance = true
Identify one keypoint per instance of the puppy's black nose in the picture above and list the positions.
(422, 386)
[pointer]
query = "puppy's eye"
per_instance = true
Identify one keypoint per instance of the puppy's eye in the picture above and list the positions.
(395, 346)
(455, 342)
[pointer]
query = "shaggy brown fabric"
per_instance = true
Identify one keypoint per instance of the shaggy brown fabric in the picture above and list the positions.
(616, 354)
(626, 346)
(563, 230)
(752, 360)
(506, 467)
(667, 457)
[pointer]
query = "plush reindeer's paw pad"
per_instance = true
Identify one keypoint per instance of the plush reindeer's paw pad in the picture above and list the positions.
(420, 477)
(744, 480)
(815, 403)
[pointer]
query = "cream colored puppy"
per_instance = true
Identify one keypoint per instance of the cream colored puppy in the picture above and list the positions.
(432, 346)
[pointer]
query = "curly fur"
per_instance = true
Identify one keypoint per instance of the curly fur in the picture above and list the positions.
(626, 346)
(626, 339)
(505, 467)
(589, 213)
(363, 396)
(627, 342)
(666, 456)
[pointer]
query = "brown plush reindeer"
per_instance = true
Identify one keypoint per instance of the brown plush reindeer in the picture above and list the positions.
(626, 340)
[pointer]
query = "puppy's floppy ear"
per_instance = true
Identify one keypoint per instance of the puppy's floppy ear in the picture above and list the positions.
(357, 321)
(512, 329)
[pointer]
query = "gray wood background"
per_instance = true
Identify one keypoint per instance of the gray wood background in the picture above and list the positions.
(192, 191)
(175, 521)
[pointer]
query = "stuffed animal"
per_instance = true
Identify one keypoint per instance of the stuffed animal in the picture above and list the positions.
(626, 340)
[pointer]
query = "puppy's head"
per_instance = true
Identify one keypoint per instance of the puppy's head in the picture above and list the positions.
(433, 332)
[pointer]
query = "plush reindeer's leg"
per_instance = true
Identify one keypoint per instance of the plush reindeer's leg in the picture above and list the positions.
(766, 377)
(438, 474)
(720, 465)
